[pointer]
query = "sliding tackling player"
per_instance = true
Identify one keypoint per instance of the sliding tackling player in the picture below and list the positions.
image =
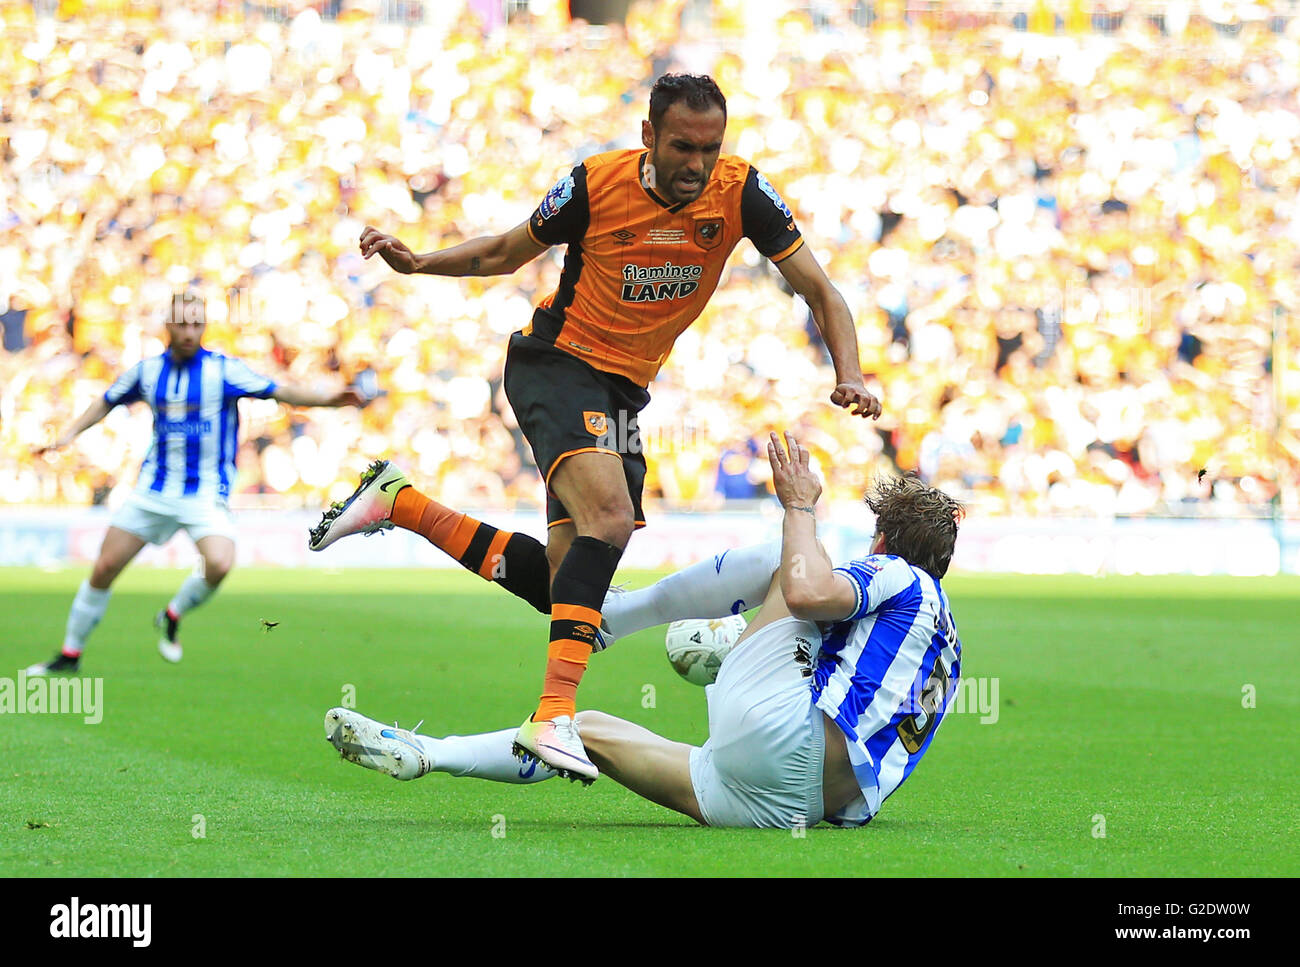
(822, 709)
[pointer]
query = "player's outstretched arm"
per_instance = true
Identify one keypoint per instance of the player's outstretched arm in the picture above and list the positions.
(811, 587)
(835, 323)
(487, 255)
(296, 395)
(95, 412)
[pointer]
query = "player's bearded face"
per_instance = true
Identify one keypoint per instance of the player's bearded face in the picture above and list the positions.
(683, 150)
(185, 337)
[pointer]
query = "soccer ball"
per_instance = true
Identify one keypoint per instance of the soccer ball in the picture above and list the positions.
(697, 646)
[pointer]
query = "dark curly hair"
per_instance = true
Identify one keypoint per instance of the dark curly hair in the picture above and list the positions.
(919, 522)
(698, 91)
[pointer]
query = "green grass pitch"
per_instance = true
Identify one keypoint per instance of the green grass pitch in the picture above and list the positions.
(1159, 712)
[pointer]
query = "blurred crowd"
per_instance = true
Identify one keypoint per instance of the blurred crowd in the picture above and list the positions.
(1071, 252)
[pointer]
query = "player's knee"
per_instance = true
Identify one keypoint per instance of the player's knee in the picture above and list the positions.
(214, 572)
(104, 573)
(216, 567)
(613, 524)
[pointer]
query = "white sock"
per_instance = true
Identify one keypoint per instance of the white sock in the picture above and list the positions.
(87, 608)
(729, 583)
(485, 756)
(193, 592)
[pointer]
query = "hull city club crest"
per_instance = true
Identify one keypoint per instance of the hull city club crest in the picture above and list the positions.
(708, 232)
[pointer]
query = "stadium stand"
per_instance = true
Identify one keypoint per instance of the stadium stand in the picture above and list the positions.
(1070, 241)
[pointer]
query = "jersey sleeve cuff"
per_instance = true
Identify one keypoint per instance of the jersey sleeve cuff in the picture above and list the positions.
(787, 252)
(859, 592)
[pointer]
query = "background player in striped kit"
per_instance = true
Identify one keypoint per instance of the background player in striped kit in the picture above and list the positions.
(185, 480)
(821, 710)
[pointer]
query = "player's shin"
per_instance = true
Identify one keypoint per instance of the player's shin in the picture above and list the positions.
(728, 583)
(485, 756)
(517, 562)
(194, 590)
(87, 608)
(577, 593)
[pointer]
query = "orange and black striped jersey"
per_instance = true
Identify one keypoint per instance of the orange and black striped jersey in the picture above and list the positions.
(639, 270)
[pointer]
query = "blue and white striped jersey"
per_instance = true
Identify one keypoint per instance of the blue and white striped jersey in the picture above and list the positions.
(195, 420)
(886, 674)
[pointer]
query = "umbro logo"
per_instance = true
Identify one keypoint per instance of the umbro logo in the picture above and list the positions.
(624, 236)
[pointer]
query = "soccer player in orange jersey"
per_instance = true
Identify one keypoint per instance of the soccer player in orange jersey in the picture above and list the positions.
(647, 234)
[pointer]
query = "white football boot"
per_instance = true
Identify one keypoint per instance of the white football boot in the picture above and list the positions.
(367, 511)
(384, 748)
(60, 664)
(558, 744)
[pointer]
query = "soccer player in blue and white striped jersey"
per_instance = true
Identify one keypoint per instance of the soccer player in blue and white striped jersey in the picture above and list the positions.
(887, 670)
(820, 711)
(186, 478)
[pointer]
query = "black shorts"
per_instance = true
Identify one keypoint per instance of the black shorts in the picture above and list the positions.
(565, 407)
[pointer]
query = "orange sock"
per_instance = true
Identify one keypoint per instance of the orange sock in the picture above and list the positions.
(577, 595)
(441, 526)
(517, 562)
(565, 663)
(573, 628)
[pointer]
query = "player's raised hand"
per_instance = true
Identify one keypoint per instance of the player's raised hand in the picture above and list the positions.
(51, 448)
(795, 483)
(392, 249)
(855, 398)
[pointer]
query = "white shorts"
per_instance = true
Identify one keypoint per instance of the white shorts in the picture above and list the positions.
(155, 519)
(762, 764)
